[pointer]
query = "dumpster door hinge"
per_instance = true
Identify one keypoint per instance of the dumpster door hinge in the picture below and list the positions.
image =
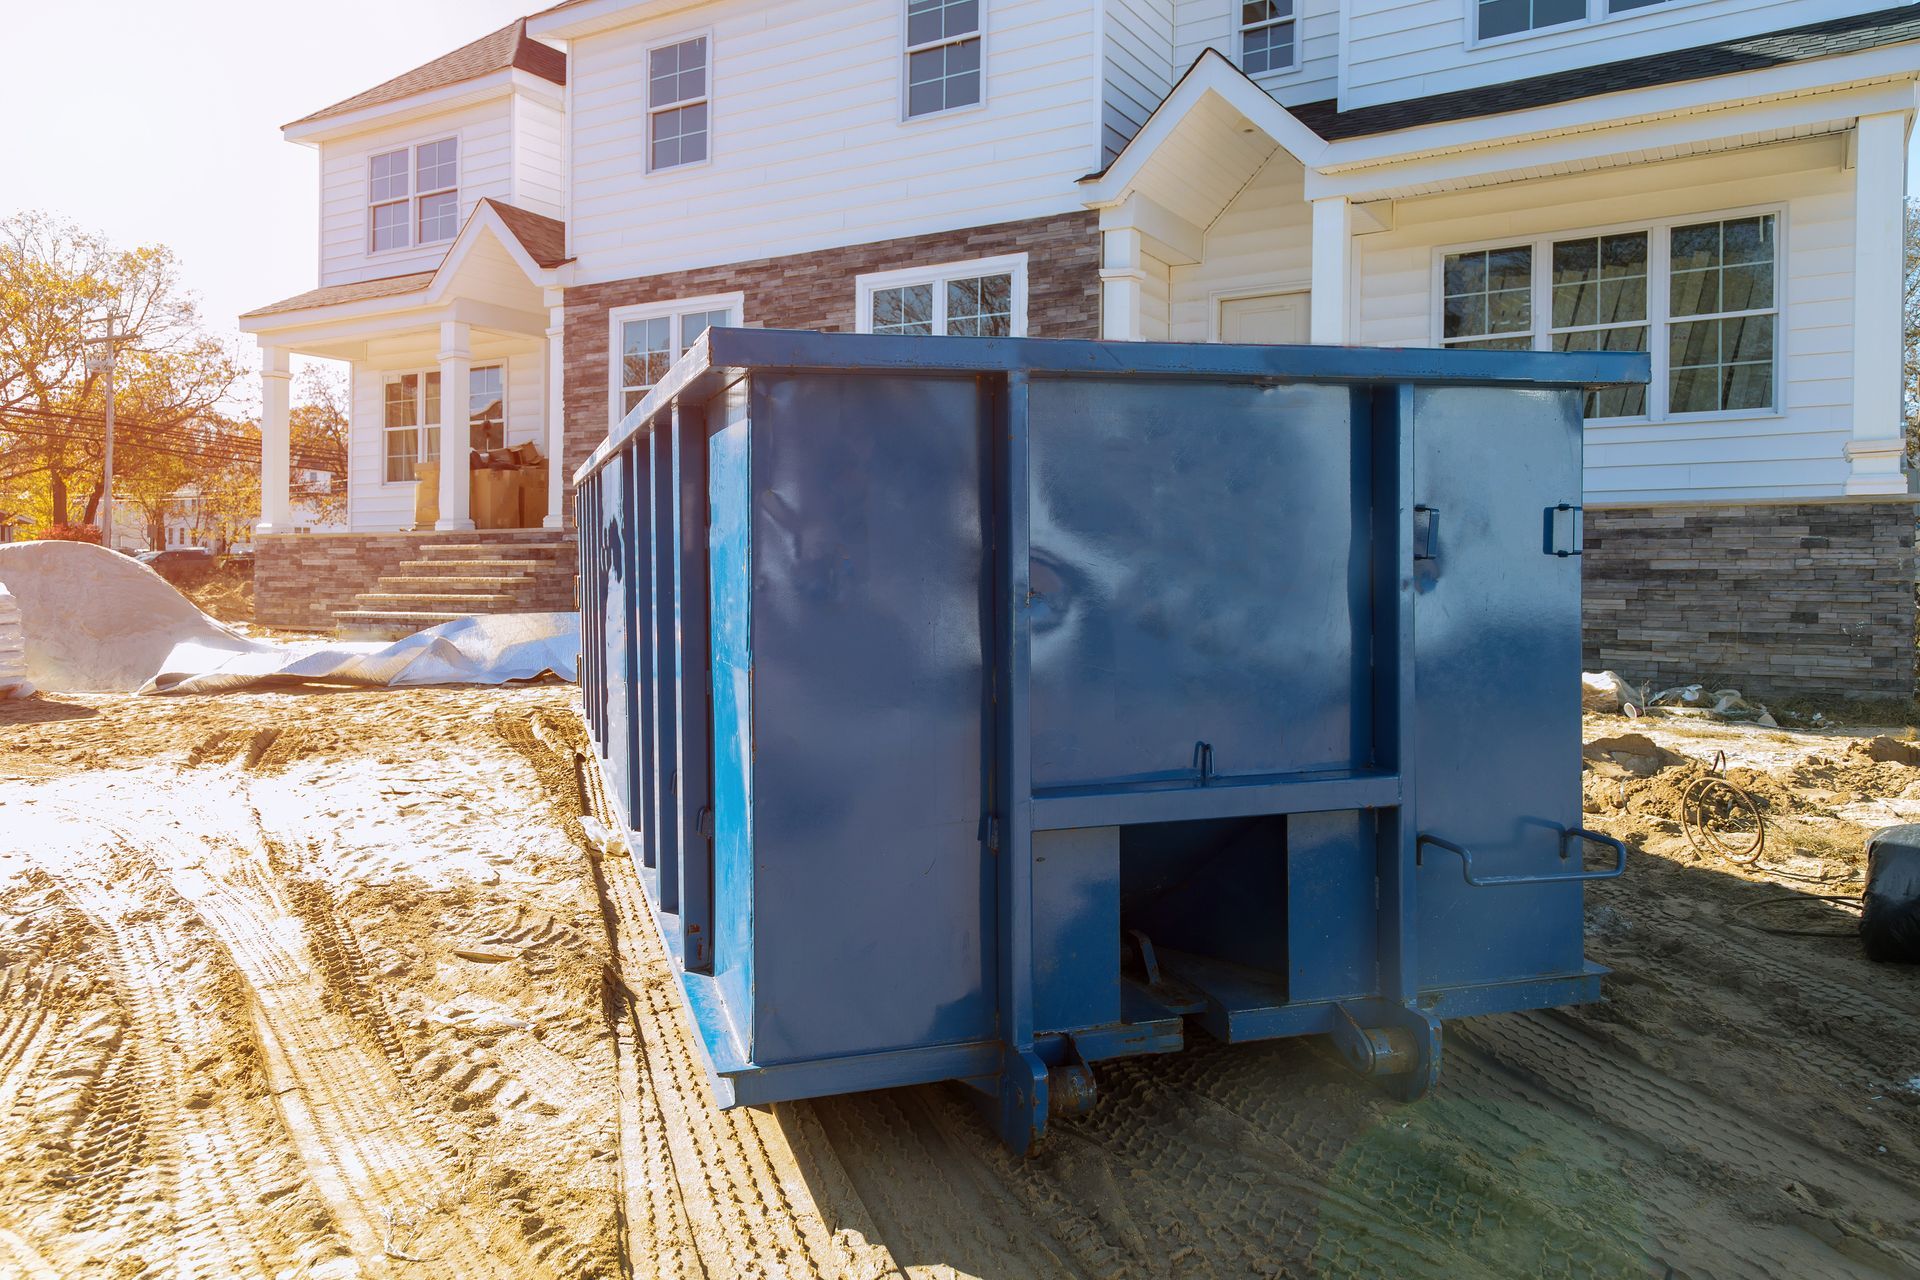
(990, 832)
(1426, 532)
(703, 822)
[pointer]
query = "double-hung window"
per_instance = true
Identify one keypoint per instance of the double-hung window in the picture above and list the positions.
(411, 417)
(1700, 295)
(1267, 35)
(943, 55)
(648, 339)
(678, 104)
(986, 298)
(413, 195)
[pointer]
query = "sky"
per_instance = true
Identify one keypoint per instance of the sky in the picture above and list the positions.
(159, 121)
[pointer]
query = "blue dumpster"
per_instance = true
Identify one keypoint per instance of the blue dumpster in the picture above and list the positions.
(982, 709)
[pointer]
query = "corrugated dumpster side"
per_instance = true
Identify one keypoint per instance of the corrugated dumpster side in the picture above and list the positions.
(983, 709)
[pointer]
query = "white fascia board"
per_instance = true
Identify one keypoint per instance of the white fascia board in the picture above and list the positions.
(341, 322)
(1212, 74)
(431, 102)
(1819, 75)
(572, 22)
(1592, 143)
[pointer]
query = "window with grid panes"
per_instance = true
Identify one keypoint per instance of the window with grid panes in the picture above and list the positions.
(1487, 298)
(943, 55)
(1266, 36)
(678, 105)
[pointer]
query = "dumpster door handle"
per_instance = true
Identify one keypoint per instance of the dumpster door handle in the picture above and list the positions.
(1564, 536)
(1426, 533)
(1560, 877)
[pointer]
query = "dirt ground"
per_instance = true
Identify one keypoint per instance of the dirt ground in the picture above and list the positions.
(327, 984)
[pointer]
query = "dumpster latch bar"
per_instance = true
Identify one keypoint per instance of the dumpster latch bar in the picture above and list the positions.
(1203, 762)
(1426, 532)
(1559, 877)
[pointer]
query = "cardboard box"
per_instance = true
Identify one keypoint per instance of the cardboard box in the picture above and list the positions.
(426, 495)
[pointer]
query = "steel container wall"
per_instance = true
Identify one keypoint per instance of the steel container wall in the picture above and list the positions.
(981, 709)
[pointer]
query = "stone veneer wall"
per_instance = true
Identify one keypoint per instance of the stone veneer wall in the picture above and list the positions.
(301, 579)
(1765, 597)
(816, 291)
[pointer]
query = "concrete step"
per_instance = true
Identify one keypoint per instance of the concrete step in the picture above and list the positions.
(543, 550)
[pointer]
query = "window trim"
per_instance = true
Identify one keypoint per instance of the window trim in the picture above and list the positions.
(673, 309)
(414, 195)
(420, 410)
(650, 111)
(1599, 13)
(1659, 303)
(1011, 264)
(906, 60)
(1240, 29)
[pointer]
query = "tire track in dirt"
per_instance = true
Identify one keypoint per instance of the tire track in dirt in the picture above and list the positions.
(213, 1158)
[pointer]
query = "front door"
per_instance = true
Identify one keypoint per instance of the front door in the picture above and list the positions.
(1268, 318)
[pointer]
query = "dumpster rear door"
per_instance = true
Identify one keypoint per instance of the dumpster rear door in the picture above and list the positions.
(1497, 675)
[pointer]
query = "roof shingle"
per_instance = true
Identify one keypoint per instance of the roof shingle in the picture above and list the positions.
(359, 291)
(1824, 39)
(544, 238)
(507, 47)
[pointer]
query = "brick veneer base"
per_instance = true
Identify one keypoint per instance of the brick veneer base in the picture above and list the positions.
(1768, 598)
(301, 579)
(817, 291)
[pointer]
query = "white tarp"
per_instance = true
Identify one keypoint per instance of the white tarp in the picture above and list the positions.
(98, 622)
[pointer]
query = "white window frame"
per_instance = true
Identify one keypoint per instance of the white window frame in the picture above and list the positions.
(1598, 12)
(1659, 303)
(1013, 264)
(906, 63)
(618, 317)
(706, 99)
(421, 424)
(1240, 30)
(414, 196)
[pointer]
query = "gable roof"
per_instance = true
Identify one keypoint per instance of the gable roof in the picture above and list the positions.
(507, 47)
(1823, 39)
(544, 238)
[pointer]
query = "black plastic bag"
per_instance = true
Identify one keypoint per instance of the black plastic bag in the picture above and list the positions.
(1890, 915)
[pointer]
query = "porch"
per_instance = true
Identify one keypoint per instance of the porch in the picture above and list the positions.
(467, 353)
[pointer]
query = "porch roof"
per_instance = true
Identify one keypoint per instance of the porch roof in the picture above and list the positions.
(531, 242)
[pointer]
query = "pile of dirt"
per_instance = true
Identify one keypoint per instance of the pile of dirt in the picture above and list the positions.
(225, 594)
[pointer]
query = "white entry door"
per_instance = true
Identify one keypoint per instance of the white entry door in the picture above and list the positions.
(1271, 317)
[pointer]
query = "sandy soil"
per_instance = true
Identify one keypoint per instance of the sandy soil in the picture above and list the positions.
(321, 984)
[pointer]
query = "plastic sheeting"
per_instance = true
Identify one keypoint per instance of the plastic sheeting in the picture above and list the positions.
(485, 649)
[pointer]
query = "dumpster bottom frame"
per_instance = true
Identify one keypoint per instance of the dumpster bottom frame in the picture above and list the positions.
(1017, 1088)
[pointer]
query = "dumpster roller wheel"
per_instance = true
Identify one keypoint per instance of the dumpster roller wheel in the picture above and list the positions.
(1394, 1044)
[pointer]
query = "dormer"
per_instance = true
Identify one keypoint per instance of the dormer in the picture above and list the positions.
(404, 164)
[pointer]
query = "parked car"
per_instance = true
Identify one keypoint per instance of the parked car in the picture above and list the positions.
(176, 563)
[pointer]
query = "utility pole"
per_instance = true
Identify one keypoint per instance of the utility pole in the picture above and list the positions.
(104, 364)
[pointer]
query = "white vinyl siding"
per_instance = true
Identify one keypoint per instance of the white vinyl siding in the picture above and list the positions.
(1138, 70)
(539, 182)
(1312, 74)
(817, 152)
(483, 140)
(1397, 49)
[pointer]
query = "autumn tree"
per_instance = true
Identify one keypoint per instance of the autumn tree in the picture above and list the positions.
(57, 282)
(319, 436)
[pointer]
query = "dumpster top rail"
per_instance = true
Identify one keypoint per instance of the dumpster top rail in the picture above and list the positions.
(719, 356)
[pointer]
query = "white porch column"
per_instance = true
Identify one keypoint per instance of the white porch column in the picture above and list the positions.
(1123, 285)
(276, 441)
(456, 433)
(1332, 270)
(556, 415)
(1879, 210)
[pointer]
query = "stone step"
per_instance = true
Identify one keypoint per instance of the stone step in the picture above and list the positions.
(430, 583)
(388, 624)
(526, 569)
(543, 550)
(436, 601)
